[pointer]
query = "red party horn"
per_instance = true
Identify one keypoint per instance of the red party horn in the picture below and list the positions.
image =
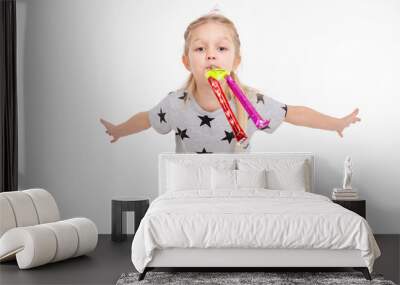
(240, 135)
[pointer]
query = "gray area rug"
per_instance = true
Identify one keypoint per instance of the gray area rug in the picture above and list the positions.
(270, 278)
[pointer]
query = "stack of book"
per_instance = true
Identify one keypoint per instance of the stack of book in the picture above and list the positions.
(344, 194)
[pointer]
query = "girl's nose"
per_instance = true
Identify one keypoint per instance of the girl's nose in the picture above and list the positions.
(210, 57)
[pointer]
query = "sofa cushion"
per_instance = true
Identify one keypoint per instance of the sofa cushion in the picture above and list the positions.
(40, 244)
(7, 215)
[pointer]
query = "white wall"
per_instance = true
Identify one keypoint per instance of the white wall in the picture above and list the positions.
(82, 60)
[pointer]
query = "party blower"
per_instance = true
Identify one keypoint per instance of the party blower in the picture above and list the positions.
(219, 74)
(239, 133)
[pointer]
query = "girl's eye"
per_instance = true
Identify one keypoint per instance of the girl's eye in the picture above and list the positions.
(222, 48)
(199, 49)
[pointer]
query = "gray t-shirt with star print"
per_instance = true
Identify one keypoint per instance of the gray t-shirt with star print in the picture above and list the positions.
(200, 131)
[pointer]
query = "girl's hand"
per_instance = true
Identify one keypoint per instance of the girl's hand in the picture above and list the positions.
(346, 121)
(111, 130)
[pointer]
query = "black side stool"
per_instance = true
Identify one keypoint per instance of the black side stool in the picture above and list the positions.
(119, 207)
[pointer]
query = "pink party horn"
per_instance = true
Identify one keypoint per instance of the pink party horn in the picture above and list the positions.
(254, 115)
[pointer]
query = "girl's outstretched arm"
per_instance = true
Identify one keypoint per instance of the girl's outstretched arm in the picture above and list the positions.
(135, 124)
(307, 117)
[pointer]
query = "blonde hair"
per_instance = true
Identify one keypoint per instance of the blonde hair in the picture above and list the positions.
(190, 84)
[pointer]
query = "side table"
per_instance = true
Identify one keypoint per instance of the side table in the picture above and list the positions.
(119, 207)
(357, 206)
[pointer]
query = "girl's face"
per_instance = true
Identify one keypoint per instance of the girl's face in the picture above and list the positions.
(211, 46)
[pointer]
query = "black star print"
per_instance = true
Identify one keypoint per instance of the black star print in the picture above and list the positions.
(228, 136)
(203, 151)
(285, 108)
(183, 97)
(162, 116)
(246, 146)
(182, 133)
(260, 97)
(205, 120)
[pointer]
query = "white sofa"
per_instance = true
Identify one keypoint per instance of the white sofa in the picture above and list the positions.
(31, 231)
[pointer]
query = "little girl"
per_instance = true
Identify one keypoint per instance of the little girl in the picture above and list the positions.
(194, 113)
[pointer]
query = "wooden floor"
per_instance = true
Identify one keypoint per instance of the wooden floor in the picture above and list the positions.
(111, 259)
